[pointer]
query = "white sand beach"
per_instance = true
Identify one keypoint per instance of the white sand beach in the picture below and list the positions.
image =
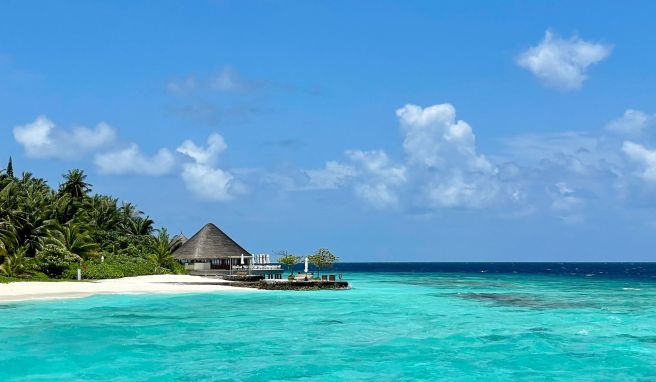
(28, 290)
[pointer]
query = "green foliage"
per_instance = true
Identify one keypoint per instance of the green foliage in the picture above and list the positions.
(34, 217)
(16, 264)
(162, 250)
(116, 266)
(178, 269)
(289, 260)
(75, 184)
(323, 259)
(10, 168)
(74, 239)
(53, 260)
(33, 276)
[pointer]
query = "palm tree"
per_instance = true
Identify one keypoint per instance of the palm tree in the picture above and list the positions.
(130, 211)
(16, 265)
(162, 255)
(31, 229)
(75, 184)
(101, 213)
(140, 226)
(8, 240)
(65, 209)
(74, 239)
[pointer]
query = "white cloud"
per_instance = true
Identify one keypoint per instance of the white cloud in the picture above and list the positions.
(379, 195)
(379, 178)
(215, 146)
(441, 152)
(130, 160)
(562, 63)
(208, 183)
(432, 134)
(457, 190)
(333, 176)
(377, 164)
(441, 168)
(43, 139)
(202, 177)
(375, 178)
(645, 157)
(632, 123)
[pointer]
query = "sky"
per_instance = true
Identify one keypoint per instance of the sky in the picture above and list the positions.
(382, 130)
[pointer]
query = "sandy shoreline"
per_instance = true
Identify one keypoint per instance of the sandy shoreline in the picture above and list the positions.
(34, 290)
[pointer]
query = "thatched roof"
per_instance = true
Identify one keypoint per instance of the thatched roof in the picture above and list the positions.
(209, 243)
(177, 242)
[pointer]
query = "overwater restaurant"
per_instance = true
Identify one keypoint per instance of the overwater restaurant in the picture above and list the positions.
(212, 252)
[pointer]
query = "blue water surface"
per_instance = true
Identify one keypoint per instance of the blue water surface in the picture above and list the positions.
(394, 326)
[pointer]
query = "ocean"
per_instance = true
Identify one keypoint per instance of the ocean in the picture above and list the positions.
(399, 322)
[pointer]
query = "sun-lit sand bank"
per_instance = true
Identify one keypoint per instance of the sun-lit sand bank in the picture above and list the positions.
(18, 291)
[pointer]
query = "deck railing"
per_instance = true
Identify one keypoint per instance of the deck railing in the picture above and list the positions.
(268, 267)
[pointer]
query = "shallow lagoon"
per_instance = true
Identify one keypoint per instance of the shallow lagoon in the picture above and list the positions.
(389, 327)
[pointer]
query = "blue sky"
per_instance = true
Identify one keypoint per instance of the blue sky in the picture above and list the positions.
(427, 131)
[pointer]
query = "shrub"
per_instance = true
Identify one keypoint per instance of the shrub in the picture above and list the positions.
(54, 260)
(178, 268)
(116, 266)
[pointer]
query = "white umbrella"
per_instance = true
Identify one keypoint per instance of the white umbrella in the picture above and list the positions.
(306, 265)
(242, 259)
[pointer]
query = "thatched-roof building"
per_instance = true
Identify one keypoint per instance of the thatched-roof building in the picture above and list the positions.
(177, 242)
(211, 249)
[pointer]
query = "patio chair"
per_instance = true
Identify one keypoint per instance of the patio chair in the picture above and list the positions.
(331, 277)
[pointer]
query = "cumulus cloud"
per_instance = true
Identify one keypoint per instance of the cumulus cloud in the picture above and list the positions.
(441, 151)
(441, 168)
(374, 177)
(208, 155)
(564, 174)
(202, 177)
(632, 123)
(43, 139)
(379, 178)
(332, 176)
(208, 183)
(644, 157)
(130, 160)
(562, 63)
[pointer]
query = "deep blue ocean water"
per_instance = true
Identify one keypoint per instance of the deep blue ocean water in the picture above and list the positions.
(469, 322)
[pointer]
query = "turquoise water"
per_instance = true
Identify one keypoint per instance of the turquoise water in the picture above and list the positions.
(389, 327)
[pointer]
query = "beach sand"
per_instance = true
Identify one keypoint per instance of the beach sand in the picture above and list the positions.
(31, 290)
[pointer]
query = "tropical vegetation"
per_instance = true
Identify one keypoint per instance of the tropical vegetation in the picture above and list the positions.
(323, 259)
(289, 260)
(48, 233)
